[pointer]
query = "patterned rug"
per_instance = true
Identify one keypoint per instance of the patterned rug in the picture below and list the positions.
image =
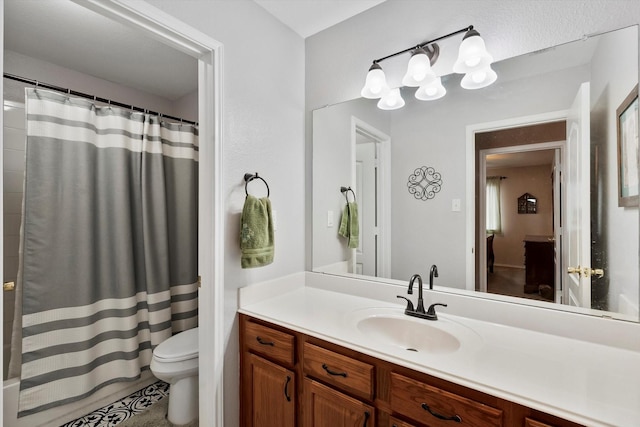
(118, 412)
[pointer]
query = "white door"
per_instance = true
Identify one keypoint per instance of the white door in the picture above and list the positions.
(557, 225)
(577, 243)
(366, 253)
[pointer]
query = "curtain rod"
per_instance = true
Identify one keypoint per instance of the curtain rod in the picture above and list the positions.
(501, 177)
(37, 84)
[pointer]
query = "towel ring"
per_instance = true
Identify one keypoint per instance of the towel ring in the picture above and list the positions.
(345, 191)
(248, 177)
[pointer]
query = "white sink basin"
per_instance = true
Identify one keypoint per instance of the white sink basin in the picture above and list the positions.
(391, 327)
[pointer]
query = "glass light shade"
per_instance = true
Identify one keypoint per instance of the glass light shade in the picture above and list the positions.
(391, 101)
(472, 55)
(479, 79)
(419, 70)
(375, 85)
(432, 91)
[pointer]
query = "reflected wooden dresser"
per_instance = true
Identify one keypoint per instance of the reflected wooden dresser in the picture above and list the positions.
(539, 261)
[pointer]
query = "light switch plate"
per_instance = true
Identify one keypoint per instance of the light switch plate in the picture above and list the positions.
(329, 218)
(455, 205)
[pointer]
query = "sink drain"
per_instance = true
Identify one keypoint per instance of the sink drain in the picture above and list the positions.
(412, 349)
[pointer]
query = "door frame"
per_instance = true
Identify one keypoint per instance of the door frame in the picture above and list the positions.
(383, 154)
(471, 130)
(209, 53)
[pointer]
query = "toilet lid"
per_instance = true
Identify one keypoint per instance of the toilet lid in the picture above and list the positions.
(179, 347)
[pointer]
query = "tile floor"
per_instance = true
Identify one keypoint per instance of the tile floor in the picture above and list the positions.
(117, 412)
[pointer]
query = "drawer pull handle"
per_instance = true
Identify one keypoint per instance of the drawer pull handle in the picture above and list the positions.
(261, 341)
(334, 373)
(286, 391)
(366, 418)
(455, 418)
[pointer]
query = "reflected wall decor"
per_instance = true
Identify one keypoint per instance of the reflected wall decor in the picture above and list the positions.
(424, 183)
(627, 124)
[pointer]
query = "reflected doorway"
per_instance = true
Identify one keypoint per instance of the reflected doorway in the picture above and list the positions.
(525, 162)
(520, 222)
(371, 151)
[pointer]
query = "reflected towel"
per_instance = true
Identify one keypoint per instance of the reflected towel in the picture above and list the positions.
(256, 233)
(349, 225)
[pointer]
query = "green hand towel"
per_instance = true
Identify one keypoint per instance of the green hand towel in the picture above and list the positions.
(256, 233)
(349, 227)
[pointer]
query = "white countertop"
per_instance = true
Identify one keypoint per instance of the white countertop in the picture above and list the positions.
(585, 382)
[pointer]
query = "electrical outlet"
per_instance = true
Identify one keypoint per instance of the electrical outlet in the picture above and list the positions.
(455, 205)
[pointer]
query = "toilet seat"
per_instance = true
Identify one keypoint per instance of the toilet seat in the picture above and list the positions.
(182, 346)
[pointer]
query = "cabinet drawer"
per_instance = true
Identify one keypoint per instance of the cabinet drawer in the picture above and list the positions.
(339, 370)
(394, 422)
(270, 342)
(428, 404)
(528, 422)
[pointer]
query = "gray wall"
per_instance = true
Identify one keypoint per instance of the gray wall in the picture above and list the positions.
(434, 134)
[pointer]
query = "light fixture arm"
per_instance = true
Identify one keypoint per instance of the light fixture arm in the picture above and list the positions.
(425, 44)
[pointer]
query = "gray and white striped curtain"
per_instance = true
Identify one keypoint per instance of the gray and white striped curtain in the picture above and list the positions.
(109, 244)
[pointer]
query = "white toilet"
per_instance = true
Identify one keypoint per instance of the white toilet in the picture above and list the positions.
(175, 361)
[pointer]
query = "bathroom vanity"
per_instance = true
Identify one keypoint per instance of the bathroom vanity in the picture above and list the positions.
(289, 376)
(320, 351)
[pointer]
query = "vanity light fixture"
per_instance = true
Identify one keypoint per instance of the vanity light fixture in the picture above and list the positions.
(392, 100)
(473, 60)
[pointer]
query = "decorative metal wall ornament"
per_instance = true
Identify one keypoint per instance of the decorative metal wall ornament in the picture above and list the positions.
(424, 183)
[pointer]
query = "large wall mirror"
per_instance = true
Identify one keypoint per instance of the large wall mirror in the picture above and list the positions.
(559, 127)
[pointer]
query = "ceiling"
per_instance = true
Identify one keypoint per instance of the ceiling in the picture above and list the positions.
(66, 34)
(307, 17)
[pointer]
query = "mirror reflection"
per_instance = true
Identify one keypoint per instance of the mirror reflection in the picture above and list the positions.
(440, 182)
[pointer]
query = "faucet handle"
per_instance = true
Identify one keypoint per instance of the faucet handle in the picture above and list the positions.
(431, 311)
(409, 303)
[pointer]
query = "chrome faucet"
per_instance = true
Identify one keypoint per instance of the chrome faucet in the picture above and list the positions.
(432, 273)
(419, 311)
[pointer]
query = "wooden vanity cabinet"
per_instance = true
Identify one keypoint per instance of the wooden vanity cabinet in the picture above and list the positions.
(291, 379)
(272, 393)
(325, 406)
(269, 394)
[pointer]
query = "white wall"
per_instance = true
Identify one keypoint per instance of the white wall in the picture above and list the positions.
(33, 68)
(263, 129)
(611, 82)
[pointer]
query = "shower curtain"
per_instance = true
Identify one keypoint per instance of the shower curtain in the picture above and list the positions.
(109, 244)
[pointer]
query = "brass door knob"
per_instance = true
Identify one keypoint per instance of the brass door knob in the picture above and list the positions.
(594, 272)
(8, 286)
(586, 271)
(575, 270)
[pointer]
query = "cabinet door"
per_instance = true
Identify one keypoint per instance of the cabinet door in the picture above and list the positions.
(326, 407)
(270, 394)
